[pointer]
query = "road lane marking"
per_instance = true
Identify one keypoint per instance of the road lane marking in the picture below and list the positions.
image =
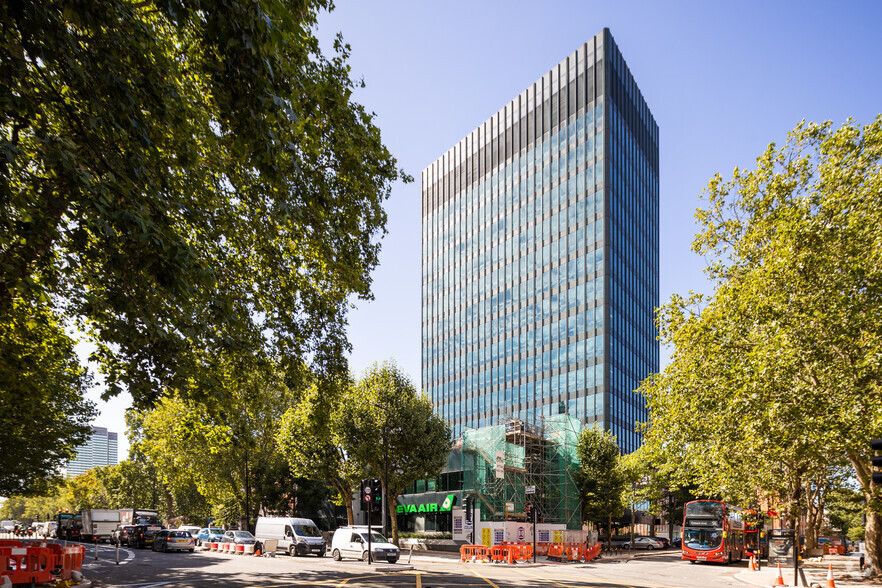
(419, 580)
(475, 572)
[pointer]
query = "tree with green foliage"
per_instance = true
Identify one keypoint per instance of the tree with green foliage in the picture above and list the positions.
(777, 373)
(223, 449)
(308, 440)
(392, 429)
(845, 509)
(602, 477)
(181, 180)
(43, 416)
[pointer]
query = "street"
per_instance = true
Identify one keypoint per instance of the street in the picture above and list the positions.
(145, 569)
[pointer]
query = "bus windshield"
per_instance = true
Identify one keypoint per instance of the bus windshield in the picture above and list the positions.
(704, 508)
(702, 539)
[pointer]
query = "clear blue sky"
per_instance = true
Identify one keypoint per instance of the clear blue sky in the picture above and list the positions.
(723, 80)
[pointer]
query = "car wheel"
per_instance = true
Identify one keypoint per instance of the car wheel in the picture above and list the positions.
(191, 551)
(322, 553)
(649, 548)
(336, 555)
(365, 556)
(292, 551)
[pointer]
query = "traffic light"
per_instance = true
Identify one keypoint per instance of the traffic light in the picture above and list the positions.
(376, 495)
(531, 513)
(372, 494)
(876, 445)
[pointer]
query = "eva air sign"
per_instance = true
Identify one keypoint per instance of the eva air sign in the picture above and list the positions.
(445, 506)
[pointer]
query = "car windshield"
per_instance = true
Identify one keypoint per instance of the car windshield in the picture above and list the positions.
(183, 534)
(216, 531)
(375, 538)
(242, 534)
(702, 539)
(147, 520)
(307, 531)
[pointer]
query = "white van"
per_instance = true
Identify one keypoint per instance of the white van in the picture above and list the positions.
(192, 529)
(296, 536)
(353, 542)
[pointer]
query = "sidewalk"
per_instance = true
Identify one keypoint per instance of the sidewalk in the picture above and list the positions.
(846, 573)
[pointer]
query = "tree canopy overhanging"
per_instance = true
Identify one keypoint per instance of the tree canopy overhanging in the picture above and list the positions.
(178, 178)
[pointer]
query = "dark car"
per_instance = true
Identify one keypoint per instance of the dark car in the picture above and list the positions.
(173, 540)
(142, 535)
(663, 540)
(123, 535)
(677, 543)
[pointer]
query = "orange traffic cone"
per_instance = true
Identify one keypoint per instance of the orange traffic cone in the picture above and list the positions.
(830, 582)
(780, 581)
(257, 552)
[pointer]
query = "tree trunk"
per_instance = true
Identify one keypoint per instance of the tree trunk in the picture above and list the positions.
(609, 530)
(874, 545)
(346, 494)
(873, 529)
(393, 519)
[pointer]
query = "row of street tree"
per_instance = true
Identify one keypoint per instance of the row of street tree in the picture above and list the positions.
(265, 449)
(774, 386)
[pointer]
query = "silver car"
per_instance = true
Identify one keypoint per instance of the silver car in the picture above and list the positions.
(239, 537)
(647, 543)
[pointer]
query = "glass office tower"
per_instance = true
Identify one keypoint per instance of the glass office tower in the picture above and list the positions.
(99, 450)
(540, 254)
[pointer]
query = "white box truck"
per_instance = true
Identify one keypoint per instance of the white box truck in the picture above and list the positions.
(99, 524)
(295, 536)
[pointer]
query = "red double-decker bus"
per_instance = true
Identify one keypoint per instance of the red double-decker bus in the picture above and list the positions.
(712, 531)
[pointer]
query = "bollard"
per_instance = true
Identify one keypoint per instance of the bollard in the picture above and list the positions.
(117, 553)
(96, 549)
(410, 554)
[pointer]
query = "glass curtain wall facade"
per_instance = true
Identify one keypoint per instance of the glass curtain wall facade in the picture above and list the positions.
(540, 254)
(99, 450)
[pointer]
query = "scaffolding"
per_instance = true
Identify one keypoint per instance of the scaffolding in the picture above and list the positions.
(503, 463)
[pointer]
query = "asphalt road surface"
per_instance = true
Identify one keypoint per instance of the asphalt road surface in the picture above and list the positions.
(145, 569)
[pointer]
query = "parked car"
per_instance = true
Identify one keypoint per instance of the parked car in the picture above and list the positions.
(647, 543)
(677, 543)
(663, 540)
(239, 538)
(173, 540)
(353, 542)
(123, 535)
(295, 536)
(621, 542)
(209, 535)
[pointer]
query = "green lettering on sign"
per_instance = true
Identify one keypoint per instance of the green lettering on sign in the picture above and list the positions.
(446, 506)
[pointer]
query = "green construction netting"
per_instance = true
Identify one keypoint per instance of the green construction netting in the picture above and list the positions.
(543, 457)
